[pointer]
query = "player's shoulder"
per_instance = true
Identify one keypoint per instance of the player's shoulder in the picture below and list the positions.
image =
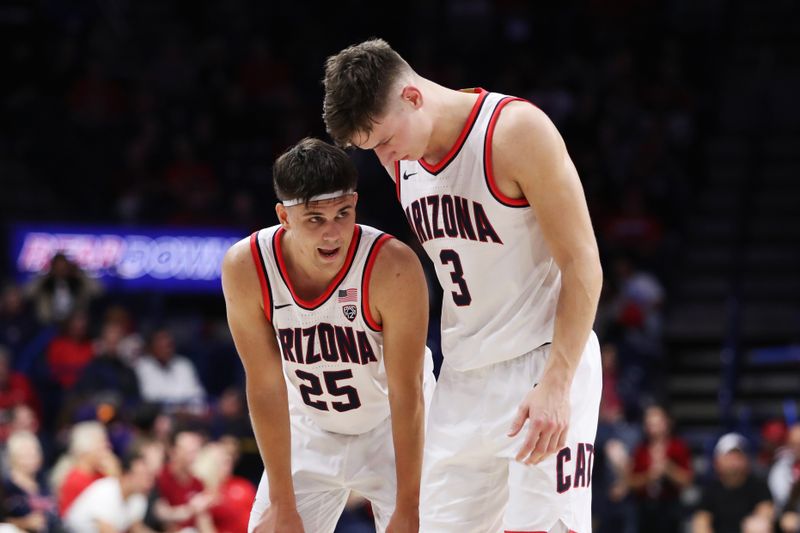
(525, 138)
(393, 259)
(521, 121)
(238, 265)
(239, 253)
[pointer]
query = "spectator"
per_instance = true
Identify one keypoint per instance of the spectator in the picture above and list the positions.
(183, 502)
(27, 502)
(166, 377)
(17, 325)
(88, 459)
(62, 291)
(71, 351)
(230, 422)
(15, 389)
(114, 504)
(614, 509)
(773, 440)
(790, 519)
(233, 496)
(735, 500)
(785, 473)
(131, 345)
(661, 470)
(107, 375)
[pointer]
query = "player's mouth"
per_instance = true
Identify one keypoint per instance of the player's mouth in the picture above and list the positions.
(329, 254)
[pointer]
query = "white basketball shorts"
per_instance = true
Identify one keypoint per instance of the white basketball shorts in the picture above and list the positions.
(471, 482)
(327, 466)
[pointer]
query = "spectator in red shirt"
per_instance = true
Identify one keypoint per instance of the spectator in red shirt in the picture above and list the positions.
(183, 501)
(661, 470)
(71, 351)
(15, 389)
(233, 495)
(89, 458)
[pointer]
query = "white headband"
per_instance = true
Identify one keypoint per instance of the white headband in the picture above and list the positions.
(317, 198)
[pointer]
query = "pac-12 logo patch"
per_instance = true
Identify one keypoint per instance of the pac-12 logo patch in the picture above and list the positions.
(349, 312)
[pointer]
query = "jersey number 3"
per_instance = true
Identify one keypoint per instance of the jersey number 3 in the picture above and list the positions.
(462, 297)
(314, 388)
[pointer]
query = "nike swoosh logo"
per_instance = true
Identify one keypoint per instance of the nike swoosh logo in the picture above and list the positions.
(406, 175)
(282, 306)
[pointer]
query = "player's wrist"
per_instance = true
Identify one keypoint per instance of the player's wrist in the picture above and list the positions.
(556, 382)
(283, 502)
(407, 504)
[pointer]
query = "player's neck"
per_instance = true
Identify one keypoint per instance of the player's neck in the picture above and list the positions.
(308, 279)
(450, 113)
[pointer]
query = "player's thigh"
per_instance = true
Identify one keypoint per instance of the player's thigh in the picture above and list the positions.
(463, 493)
(371, 471)
(320, 511)
(559, 487)
(553, 492)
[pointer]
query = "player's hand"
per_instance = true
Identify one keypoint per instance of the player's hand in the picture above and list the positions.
(404, 522)
(280, 520)
(548, 409)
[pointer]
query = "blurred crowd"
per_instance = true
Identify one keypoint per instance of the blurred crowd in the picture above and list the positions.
(171, 113)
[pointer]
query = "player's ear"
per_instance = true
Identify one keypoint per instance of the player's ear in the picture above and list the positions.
(283, 215)
(355, 199)
(412, 95)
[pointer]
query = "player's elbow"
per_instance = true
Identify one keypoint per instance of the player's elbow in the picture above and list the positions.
(583, 269)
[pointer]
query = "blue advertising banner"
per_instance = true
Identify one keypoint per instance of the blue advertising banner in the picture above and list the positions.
(127, 259)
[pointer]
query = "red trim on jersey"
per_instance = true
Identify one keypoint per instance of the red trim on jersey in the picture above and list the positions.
(487, 158)
(258, 259)
(305, 304)
(373, 254)
(433, 169)
(397, 178)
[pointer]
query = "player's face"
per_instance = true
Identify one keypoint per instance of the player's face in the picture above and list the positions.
(323, 230)
(401, 133)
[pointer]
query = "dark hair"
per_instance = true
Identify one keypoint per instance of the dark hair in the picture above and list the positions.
(133, 455)
(312, 167)
(357, 84)
(186, 425)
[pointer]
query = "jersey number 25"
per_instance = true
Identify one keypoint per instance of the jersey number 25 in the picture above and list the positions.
(313, 387)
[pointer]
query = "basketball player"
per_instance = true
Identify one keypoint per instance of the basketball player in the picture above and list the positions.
(339, 312)
(488, 187)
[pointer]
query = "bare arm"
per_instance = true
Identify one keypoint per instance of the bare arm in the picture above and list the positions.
(139, 527)
(399, 301)
(266, 389)
(531, 160)
(701, 522)
(682, 477)
(765, 510)
(638, 480)
(105, 527)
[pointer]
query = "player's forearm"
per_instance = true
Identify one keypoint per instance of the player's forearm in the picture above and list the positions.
(408, 433)
(269, 414)
(581, 281)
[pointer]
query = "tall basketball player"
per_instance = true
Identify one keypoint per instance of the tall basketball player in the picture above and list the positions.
(488, 187)
(339, 312)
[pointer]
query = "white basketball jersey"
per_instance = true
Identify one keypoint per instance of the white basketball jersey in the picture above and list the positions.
(500, 281)
(332, 348)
